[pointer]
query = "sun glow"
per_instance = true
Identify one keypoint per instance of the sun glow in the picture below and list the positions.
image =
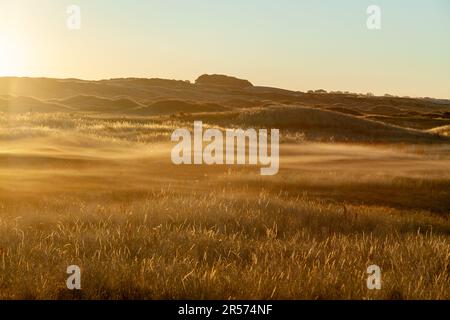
(12, 57)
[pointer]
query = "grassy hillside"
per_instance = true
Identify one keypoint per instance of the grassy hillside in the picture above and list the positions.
(151, 97)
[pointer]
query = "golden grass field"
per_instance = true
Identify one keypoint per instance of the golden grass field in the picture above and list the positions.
(101, 192)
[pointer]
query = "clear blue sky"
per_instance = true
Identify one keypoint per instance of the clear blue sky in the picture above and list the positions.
(294, 44)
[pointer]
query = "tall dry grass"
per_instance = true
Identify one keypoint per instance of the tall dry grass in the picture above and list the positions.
(218, 245)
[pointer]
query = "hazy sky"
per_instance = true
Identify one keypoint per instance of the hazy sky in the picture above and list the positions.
(292, 44)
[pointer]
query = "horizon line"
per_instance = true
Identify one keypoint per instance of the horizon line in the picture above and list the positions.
(328, 91)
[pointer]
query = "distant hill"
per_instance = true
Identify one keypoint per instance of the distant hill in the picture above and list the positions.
(231, 101)
(219, 89)
(222, 80)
